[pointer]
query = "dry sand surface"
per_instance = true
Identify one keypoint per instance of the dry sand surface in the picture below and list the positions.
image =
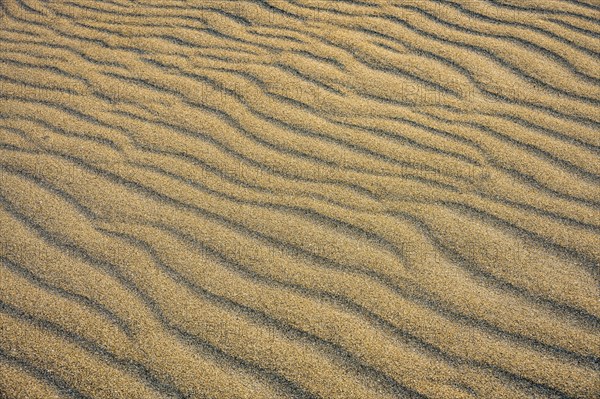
(336, 199)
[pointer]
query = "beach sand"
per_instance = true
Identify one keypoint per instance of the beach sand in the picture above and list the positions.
(352, 199)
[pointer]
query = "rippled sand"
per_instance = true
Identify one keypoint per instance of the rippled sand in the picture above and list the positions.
(299, 199)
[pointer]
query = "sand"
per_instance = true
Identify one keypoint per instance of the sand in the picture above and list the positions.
(299, 199)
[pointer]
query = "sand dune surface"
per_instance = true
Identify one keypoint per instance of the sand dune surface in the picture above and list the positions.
(336, 199)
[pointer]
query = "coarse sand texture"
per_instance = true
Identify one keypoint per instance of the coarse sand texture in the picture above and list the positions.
(276, 199)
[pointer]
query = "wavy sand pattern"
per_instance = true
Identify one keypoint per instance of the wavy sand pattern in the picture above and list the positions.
(299, 199)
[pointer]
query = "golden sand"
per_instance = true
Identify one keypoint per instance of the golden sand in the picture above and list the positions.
(347, 199)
